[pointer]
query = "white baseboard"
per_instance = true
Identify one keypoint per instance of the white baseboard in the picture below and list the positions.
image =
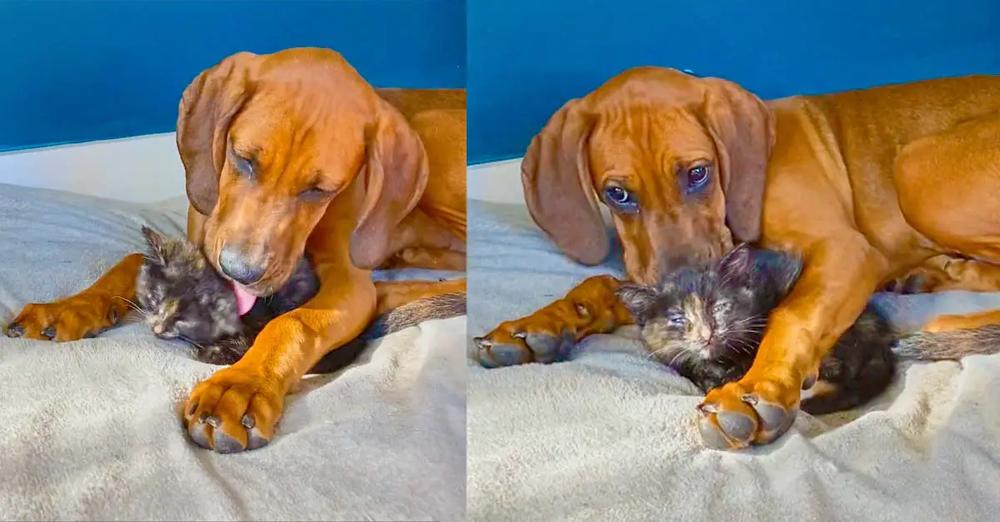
(140, 169)
(498, 181)
(145, 169)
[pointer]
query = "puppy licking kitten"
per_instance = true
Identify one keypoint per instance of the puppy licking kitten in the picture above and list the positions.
(182, 297)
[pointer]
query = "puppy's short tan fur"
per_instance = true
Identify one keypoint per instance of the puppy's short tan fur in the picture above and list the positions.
(356, 177)
(868, 186)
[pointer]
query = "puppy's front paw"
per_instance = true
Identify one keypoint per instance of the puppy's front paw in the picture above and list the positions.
(749, 411)
(546, 336)
(83, 315)
(233, 410)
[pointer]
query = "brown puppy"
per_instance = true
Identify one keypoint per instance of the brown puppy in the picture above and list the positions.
(896, 183)
(285, 153)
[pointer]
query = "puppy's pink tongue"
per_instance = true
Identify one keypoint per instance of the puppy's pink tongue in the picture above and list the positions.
(244, 299)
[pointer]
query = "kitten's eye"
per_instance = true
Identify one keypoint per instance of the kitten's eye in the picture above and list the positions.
(620, 199)
(720, 308)
(676, 319)
(315, 194)
(165, 333)
(181, 326)
(697, 178)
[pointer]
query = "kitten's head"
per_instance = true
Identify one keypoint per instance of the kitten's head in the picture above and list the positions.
(711, 312)
(181, 294)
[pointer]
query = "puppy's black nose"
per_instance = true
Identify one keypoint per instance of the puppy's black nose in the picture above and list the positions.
(234, 264)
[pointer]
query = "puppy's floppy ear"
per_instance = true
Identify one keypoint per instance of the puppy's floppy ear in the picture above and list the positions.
(558, 189)
(743, 130)
(394, 178)
(206, 109)
(638, 300)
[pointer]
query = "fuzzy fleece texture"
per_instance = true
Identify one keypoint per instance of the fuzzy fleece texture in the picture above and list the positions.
(90, 429)
(610, 434)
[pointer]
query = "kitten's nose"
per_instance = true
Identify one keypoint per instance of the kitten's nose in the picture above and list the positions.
(235, 265)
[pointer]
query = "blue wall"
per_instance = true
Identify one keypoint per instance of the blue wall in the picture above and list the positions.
(528, 57)
(82, 70)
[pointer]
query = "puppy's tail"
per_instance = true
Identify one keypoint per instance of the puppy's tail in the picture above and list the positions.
(949, 345)
(441, 306)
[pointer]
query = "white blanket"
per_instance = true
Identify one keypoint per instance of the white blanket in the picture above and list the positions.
(90, 430)
(610, 435)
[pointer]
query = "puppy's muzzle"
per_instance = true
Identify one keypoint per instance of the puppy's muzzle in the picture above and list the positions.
(237, 265)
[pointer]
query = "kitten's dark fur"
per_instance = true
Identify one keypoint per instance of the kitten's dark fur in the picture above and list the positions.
(183, 297)
(707, 323)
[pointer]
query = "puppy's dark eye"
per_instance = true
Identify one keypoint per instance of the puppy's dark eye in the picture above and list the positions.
(697, 178)
(315, 194)
(676, 319)
(620, 199)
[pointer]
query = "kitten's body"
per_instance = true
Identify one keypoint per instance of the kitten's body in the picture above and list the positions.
(183, 297)
(707, 323)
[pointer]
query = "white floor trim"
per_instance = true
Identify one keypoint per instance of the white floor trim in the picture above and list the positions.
(145, 169)
(140, 169)
(497, 181)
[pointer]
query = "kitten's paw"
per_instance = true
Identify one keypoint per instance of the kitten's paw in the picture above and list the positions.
(233, 410)
(82, 315)
(545, 337)
(749, 411)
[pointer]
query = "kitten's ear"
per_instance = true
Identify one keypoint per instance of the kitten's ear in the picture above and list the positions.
(783, 268)
(737, 262)
(638, 300)
(155, 242)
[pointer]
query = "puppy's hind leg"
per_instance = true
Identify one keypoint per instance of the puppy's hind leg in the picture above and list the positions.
(949, 190)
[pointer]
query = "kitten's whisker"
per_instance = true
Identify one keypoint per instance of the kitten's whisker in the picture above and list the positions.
(742, 345)
(654, 353)
(679, 354)
(746, 330)
(132, 304)
(190, 341)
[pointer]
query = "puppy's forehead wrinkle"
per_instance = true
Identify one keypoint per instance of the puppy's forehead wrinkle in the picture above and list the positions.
(296, 156)
(640, 142)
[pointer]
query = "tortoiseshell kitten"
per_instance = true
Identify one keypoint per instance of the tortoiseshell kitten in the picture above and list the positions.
(183, 297)
(707, 323)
